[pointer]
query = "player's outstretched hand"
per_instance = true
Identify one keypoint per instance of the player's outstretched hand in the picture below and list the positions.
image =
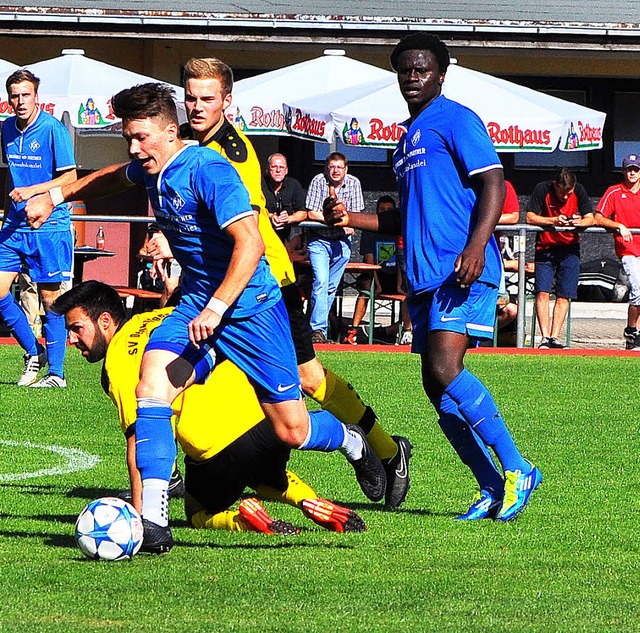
(469, 266)
(334, 211)
(38, 209)
(202, 327)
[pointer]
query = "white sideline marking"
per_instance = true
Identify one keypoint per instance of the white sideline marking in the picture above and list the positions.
(76, 460)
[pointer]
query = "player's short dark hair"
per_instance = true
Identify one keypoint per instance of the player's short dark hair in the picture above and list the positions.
(20, 75)
(94, 298)
(385, 199)
(209, 68)
(151, 100)
(422, 42)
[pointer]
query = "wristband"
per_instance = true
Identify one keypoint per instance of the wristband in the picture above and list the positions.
(56, 196)
(217, 305)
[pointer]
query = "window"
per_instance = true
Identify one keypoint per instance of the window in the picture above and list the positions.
(353, 153)
(557, 158)
(626, 125)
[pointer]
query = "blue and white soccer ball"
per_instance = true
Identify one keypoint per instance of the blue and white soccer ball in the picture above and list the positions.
(109, 529)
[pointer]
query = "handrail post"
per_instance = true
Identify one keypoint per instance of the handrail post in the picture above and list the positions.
(521, 320)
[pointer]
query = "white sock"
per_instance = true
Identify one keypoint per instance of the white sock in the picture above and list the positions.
(155, 501)
(353, 445)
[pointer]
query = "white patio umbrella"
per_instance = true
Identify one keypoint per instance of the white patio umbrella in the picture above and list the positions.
(517, 118)
(83, 87)
(257, 101)
(6, 68)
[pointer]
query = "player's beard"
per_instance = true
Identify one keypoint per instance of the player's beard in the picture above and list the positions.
(99, 348)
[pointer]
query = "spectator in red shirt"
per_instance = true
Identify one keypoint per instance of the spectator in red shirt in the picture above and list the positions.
(619, 210)
(562, 206)
(506, 310)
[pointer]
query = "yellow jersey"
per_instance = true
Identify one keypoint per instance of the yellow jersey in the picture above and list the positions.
(209, 417)
(237, 149)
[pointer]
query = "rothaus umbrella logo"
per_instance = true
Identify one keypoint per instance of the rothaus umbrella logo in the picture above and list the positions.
(585, 136)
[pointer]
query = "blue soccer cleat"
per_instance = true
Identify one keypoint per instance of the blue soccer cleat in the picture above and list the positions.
(517, 490)
(483, 506)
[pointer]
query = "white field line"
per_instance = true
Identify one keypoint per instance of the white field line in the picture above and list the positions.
(76, 460)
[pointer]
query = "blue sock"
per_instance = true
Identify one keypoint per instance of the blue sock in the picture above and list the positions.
(55, 335)
(326, 432)
(155, 444)
(17, 322)
(470, 448)
(481, 413)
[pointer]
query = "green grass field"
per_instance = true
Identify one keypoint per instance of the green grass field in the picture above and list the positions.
(569, 563)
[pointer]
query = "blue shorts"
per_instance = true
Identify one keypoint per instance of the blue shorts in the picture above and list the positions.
(47, 256)
(561, 264)
(261, 346)
(470, 311)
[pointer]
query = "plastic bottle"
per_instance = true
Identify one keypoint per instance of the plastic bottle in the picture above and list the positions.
(100, 239)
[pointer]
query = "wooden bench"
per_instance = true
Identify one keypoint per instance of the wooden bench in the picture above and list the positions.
(139, 300)
(393, 299)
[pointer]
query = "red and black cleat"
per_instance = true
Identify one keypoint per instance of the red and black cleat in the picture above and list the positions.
(332, 516)
(256, 519)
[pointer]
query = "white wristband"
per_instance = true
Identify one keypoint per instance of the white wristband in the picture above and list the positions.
(217, 305)
(56, 196)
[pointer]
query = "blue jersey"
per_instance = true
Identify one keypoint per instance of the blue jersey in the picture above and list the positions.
(35, 155)
(435, 161)
(194, 197)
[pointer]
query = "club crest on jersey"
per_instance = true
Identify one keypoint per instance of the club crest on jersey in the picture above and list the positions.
(34, 145)
(416, 138)
(177, 202)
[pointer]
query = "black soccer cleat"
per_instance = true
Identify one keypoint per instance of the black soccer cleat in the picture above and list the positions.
(126, 495)
(369, 469)
(156, 539)
(397, 470)
(176, 485)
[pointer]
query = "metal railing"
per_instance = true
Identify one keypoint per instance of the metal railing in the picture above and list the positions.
(520, 229)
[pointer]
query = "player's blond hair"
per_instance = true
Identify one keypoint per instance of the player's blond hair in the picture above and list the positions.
(209, 68)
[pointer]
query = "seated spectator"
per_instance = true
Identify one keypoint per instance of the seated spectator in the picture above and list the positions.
(284, 196)
(405, 337)
(376, 249)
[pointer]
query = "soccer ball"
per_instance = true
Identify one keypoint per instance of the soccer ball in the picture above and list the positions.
(109, 529)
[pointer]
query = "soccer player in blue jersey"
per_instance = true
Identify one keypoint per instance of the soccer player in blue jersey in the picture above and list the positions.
(231, 305)
(451, 188)
(38, 150)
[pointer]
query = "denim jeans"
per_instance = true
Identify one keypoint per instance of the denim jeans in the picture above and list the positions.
(328, 261)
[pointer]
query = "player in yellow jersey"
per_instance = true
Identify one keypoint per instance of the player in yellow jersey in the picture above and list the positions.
(208, 83)
(227, 442)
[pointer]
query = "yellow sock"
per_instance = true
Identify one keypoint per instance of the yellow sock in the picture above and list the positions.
(297, 491)
(228, 520)
(381, 442)
(340, 398)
